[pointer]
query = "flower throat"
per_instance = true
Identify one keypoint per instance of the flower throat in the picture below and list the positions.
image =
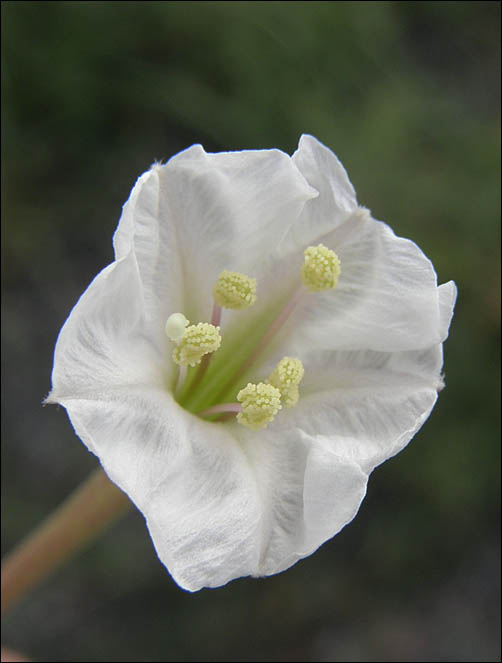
(211, 369)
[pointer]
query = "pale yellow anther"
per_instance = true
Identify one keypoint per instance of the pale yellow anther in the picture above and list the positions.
(197, 341)
(260, 403)
(234, 290)
(175, 326)
(286, 377)
(321, 268)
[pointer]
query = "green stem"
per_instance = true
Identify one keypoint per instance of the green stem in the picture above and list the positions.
(93, 506)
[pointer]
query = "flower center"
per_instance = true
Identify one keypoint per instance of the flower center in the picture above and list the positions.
(210, 388)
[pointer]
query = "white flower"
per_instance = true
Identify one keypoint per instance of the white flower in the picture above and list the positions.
(222, 500)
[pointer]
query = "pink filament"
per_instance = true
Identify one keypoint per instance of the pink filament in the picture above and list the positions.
(273, 329)
(222, 408)
(216, 316)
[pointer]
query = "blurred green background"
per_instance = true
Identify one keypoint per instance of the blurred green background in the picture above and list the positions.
(407, 94)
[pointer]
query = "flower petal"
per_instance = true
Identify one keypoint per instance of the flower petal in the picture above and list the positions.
(367, 404)
(145, 230)
(333, 491)
(386, 298)
(336, 200)
(189, 478)
(218, 510)
(202, 213)
(307, 494)
(447, 297)
(103, 342)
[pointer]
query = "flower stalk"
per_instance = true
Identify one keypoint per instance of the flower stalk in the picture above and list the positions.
(92, 507)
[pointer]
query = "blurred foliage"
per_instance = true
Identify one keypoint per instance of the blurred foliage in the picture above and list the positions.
(408, 96)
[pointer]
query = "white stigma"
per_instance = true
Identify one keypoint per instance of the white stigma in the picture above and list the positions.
(175, 326)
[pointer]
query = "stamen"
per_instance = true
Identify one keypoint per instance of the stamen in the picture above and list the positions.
(222, 408)
(180, 380)
(320, 271)
(175, 326)
(260, 403)
(234, 290)
(198, 340)
(321, 268)
(204, 364)
(272, 330)
(216, 315)
(286, 377)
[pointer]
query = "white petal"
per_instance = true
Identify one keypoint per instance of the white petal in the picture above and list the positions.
(447, 298)
(333, 491)
(386, 298)
(142, 202)
(146, 230)
(307, 494)
(103, 343)
(202, 213)
(189, 478)
(216, 509)
(367, 404)
(336, 200)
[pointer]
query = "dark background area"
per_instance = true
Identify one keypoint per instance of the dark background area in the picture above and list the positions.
(407, 94)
